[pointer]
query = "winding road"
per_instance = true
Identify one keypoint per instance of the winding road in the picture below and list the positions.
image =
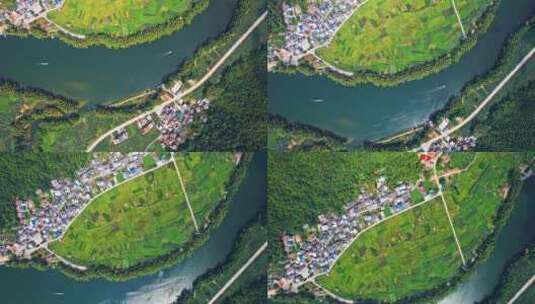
(188, 91)
(425, 146)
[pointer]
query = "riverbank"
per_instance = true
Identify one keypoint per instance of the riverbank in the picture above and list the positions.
(149, 267)
(147, 34)
(247, 242)
(310, 65)
(518, 271)
(284, 135)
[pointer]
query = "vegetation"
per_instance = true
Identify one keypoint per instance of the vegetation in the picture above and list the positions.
(23, 173)
(482, 15)
(236, 118)
(137, 221)
(408, 254)
(509, 125)
(390, 36)
(250, 287)
(204, 176)
(302, 186)
(518, 271)
(120, 24)
(513, 97)
(475, 196)
(284, 135)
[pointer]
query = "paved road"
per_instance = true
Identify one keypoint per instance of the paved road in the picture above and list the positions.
(238, 273)
(522, 290)
(523, 62)
(189, 90)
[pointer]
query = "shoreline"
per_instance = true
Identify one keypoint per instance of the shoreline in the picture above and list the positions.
(416, 72)
(483, 251)
(148, 34)
(159, 263)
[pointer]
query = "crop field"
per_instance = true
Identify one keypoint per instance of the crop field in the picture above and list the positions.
(410, 253)
(474, 197)
(135, 222)
(117, 17)
(389, 36)
(204, 176)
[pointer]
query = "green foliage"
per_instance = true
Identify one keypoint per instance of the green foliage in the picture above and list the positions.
(518, 271)
(236, 118)
(250, 286)
(509, 125)
(23, 173)
(408, 254)
(302, 186)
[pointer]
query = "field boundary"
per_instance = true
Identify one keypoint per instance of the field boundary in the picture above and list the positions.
(184, 191)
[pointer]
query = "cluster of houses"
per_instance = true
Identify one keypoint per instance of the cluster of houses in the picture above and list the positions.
(307, 29)
(27, 11)
(318, 251)
(449, 143)
(175, 118)
(171, 122)
(47, 216)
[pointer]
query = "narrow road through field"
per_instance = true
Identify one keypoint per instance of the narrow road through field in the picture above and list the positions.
(332, 295)
(238, 273)
(65, 261)
(446, 208)
(425, 146)
(188, 91)
(458, 17)
(522, 290)
(185, 193)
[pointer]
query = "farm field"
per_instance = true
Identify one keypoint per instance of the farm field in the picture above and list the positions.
(135, 222)
(407, 254)
(473, 198)
(204, 176)
(389, 36)
(118, 17)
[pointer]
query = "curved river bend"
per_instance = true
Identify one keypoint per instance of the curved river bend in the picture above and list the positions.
(98, 74)
(30, 286)
(367, 112)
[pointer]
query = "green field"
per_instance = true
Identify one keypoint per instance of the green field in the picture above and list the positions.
(117, 17)
(130, 224)
(204, 176)
(389, 36)
(474, 197)
(410, 253)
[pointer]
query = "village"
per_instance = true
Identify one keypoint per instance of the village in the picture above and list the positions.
(171, 121)
(26, 12)
(309, 28)
(315, 254)
(450, 143)
(47, 216)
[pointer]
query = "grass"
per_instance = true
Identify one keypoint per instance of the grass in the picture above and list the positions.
(133, 223)
(204, 176)
(407, 254)
(118, 17)
(9, 104)
(474, 197)
(389, 36)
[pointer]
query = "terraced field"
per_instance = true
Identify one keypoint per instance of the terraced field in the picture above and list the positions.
(407, 254)
(117, 17)
(389, 36)
(137, 221)
(204, 176)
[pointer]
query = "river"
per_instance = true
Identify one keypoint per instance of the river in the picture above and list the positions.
(368, 112)
(30, 286)
(511, 239)
(99, 74)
